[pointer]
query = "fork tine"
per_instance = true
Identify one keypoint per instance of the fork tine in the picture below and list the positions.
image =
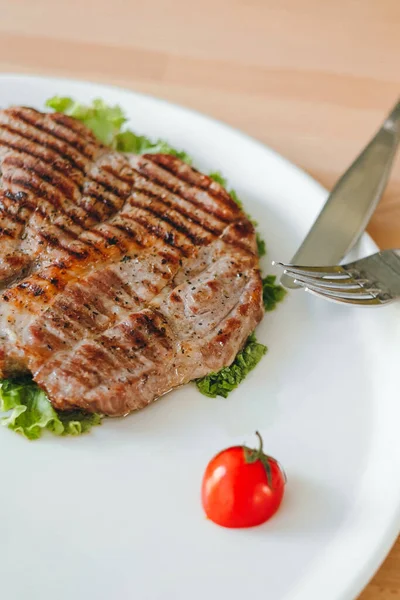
(330, 283)
(343, 293)
(313, 271)
(355, 300)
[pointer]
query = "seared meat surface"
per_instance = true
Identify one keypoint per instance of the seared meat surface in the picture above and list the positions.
(122, 276)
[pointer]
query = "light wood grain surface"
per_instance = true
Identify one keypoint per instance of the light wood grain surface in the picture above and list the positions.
(311, 78)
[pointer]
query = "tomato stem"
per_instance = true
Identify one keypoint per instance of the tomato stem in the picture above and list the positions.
(252, 455)
(260, 449)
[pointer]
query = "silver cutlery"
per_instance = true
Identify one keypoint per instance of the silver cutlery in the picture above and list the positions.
(370, 281)
(352, 201)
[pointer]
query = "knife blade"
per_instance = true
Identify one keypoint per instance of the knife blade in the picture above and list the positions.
(352, 201)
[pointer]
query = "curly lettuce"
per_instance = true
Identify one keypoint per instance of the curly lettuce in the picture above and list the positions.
(228, 378)
(107, 122)
(127, 141)
(272, 293)
(29, 411)
(261, 247)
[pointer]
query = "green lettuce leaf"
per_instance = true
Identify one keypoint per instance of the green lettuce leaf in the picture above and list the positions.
(228, 378)
(261, 248)
(107, 122)
(29, 411)
(219, 178)
(272, 293)
(127, 141)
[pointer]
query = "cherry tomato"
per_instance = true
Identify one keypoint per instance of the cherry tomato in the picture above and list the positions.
(242, 487)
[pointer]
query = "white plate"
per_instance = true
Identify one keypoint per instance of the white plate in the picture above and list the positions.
(116, 514)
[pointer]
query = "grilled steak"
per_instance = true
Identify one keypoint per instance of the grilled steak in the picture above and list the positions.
(122, 276)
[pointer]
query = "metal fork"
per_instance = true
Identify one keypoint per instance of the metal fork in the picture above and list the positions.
(370, 281)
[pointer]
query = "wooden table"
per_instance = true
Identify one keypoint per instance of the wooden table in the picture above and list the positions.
(311, 78)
